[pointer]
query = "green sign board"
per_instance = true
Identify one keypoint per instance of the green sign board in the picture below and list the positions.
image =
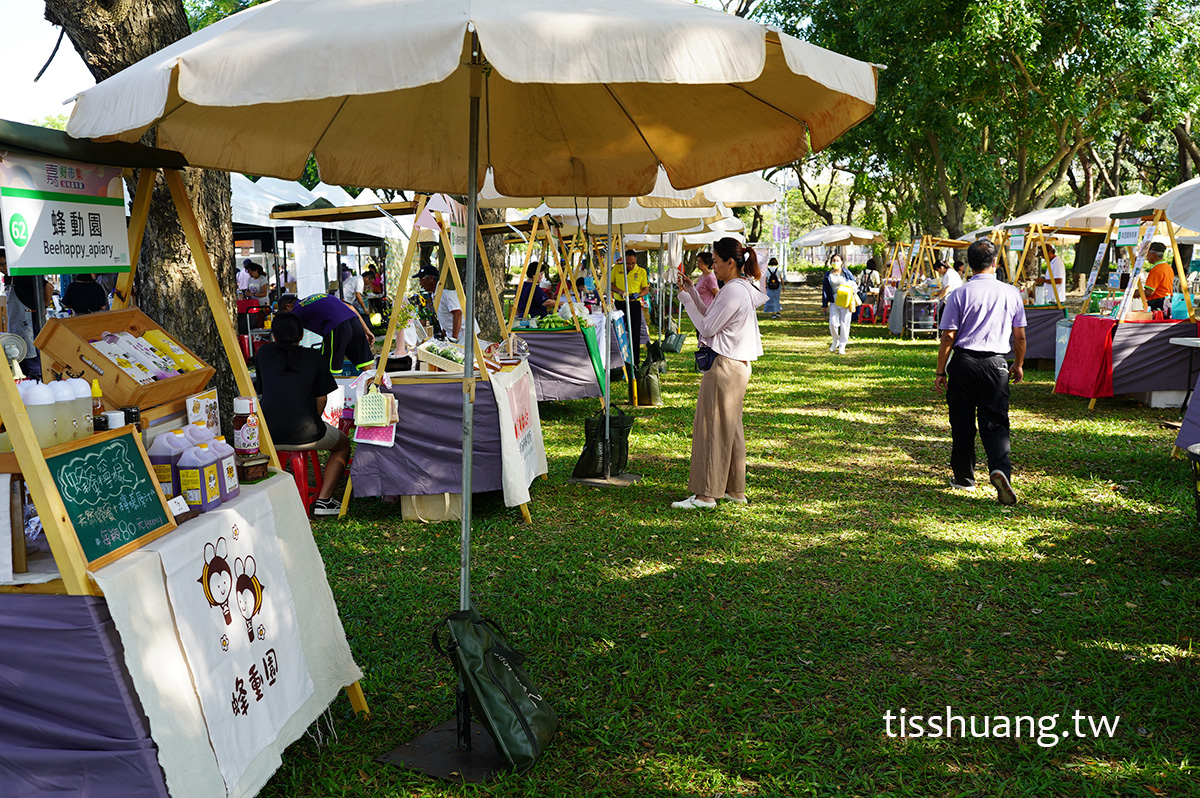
(111, 494)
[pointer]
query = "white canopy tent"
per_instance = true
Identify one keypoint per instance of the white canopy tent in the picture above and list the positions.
(839, 235)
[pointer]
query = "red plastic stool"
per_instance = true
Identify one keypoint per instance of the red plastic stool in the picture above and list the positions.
(866, 314)
(295, 462)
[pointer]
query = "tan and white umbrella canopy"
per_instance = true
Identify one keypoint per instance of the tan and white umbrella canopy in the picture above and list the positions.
(580, 97)
(839, 235)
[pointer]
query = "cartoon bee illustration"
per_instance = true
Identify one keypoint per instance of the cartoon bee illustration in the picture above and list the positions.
(249, 592)
(216, 577)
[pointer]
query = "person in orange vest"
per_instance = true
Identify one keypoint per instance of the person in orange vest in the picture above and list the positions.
(1160, 281)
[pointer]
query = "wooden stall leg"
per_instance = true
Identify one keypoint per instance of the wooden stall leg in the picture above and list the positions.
(345, 500)
(138, 215)
(1092, 404)
(216, 303)
(525, 514)
(358, 701)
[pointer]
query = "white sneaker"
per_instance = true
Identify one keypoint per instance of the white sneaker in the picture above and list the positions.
(833, 347)
(841, 350)
(729, 497)
(692, 503)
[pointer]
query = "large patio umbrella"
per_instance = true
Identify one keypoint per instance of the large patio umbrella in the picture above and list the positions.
(839, 235)
(557, 97)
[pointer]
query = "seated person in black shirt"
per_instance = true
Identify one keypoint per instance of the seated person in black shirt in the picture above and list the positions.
(85, 295)
(541, 303)
(295, 382)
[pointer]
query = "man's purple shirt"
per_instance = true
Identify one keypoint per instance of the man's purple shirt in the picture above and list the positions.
(983, 312)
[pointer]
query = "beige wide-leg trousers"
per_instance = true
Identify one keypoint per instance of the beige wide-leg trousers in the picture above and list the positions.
(718, 440)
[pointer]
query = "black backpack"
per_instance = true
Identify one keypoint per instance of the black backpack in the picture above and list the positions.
(773, 279)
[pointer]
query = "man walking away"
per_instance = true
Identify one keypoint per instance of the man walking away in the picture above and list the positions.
(976, 324)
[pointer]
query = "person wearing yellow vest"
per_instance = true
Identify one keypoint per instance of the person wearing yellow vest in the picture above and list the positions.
(1160, 280)
(631, 280)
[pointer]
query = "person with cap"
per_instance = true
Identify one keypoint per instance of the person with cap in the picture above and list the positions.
(634, 282)
(449, 309)
(343, 332)
(1056, 274)
(976, 326)
(1160, 278)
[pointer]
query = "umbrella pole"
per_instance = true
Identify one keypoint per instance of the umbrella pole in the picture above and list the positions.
(463, 706)
(608, 353)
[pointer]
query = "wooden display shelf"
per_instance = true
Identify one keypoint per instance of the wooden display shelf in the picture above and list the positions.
(65, 349)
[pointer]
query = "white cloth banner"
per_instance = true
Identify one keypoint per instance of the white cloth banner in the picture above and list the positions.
(237, 622)
(6, 552)
(136, 591)
(310, 261)
(521, 446)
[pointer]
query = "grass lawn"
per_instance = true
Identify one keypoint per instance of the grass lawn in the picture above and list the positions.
(755, 650)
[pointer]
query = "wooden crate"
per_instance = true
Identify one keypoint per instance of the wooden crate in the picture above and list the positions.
(65, 349)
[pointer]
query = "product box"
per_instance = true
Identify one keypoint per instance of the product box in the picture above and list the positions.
(66, 349)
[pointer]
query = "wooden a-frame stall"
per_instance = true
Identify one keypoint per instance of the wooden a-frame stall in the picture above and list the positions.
(80, 574)
(447, 270)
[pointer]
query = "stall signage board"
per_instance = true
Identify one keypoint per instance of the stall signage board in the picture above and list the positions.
(1016, 242)
(62, 217)
(1096, 264)
(1131, 290)
(1127, 232)
(110, 492)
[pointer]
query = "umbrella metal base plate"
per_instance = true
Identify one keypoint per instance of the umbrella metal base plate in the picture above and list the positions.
(436, 753)
(615, 481)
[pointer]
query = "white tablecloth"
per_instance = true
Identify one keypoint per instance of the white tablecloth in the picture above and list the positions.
(136, 591)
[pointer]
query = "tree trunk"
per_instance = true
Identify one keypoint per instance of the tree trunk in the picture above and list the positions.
(110, 35)
(1187, 150)
(496, 251)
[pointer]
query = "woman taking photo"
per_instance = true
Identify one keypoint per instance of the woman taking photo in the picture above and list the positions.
(706, 286)
(729, 326)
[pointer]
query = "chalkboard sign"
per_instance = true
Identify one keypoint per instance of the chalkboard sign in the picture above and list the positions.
(110, 492)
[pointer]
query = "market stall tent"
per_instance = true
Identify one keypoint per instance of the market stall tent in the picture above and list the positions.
(145, 670)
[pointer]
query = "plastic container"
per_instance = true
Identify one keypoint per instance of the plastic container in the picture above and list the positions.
(64, 411)
(39, 403)
(197, 433)
(199, 481)
(226, 468)
(83, 405)
(97, 403)
(245, 425)
(164, 455)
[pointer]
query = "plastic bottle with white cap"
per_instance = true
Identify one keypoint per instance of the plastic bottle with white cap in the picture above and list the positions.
(64, 411)
(82, 405)
(39, 403)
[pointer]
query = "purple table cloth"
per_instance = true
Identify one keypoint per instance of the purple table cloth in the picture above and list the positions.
(70, 721)
(427, 457)
(1041, 331)
(1144, 359)
(561, 366)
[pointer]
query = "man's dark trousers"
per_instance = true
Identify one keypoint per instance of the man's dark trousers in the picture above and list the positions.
(978, 386)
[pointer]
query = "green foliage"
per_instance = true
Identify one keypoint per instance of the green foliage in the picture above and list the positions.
(202, 13)
(58, 122)
(987, 104)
